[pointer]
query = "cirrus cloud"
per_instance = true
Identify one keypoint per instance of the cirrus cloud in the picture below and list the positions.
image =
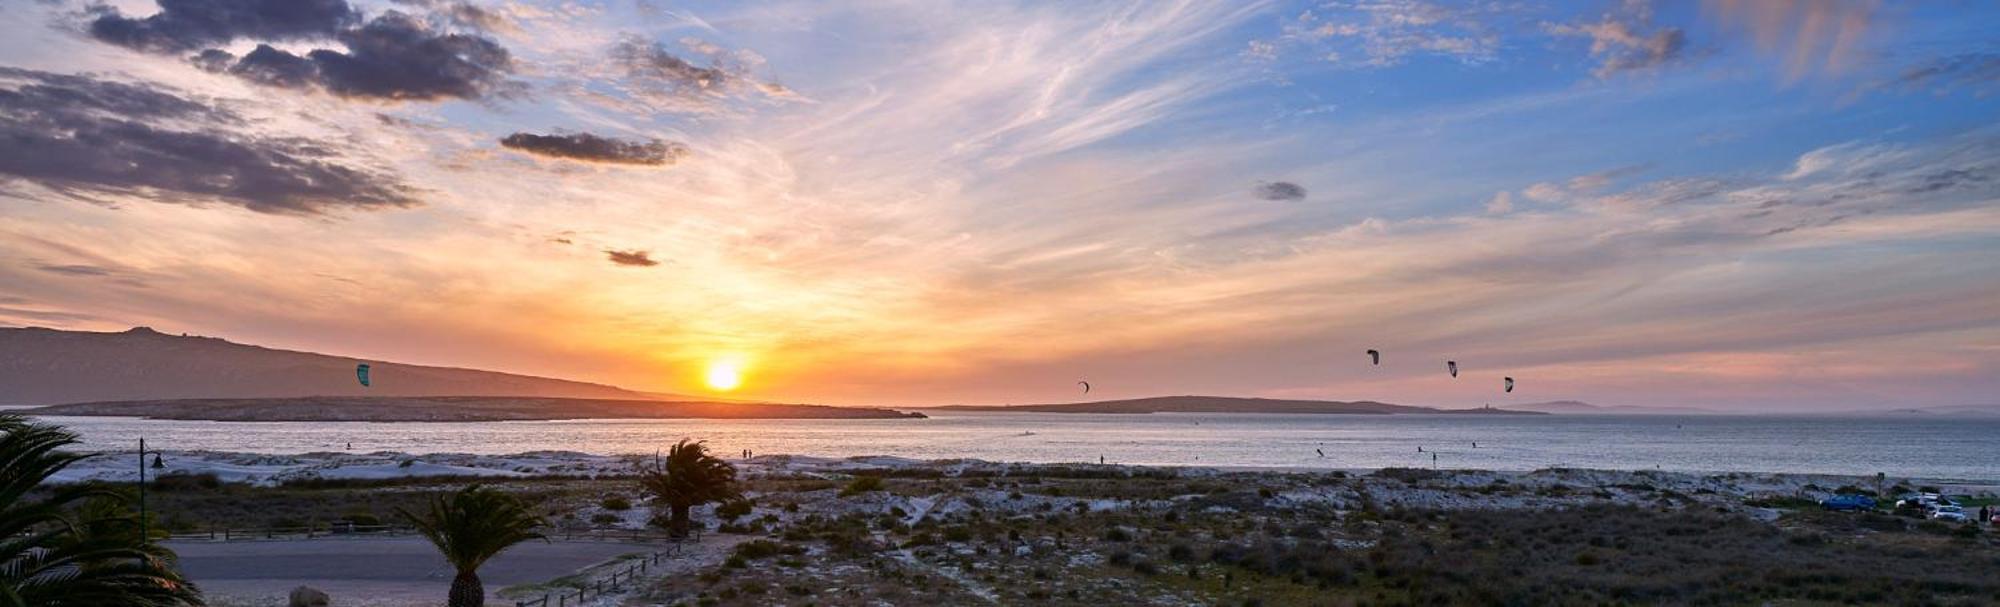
(1626, 41)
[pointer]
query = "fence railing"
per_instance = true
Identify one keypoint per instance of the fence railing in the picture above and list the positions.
(597, 587)
(245, 533)
(623, 535)
(345, 530)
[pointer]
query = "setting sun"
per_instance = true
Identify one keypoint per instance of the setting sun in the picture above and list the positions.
(724, 375)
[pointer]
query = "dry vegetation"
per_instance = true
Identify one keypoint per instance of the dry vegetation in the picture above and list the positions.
(1054, 535)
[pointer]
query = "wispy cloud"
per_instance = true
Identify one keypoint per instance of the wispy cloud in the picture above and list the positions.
(1389, 32)
(1806, 36)
(1626, 40)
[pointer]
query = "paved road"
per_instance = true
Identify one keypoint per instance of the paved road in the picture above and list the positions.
(371, 571)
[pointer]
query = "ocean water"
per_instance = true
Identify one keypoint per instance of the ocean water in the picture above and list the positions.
(1959, 448)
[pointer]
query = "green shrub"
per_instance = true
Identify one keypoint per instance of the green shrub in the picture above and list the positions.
(616, 502)
(363, 519)
(763, 549)
(733, 509)
(860, 485)
(183, 481)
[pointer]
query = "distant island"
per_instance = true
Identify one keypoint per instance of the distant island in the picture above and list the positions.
(1229, 404)
(1571, 407)
(451, 409)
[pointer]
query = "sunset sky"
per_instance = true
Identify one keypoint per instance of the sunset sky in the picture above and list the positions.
(1749, 205)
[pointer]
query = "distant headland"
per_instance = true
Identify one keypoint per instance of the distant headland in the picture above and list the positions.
(1229, 404)
(451, 409)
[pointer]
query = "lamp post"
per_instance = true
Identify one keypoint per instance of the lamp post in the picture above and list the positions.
(144, 533)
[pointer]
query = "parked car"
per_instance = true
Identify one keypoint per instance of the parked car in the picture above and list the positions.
(1924, 501)
(1953, 514)
(1848, 502)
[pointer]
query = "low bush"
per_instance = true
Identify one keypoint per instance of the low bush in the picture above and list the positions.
(733, 509)
(182, 481)
(860, 485)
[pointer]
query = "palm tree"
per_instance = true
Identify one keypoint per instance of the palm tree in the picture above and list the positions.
(469, 527)
(689, 476)
(57, 549)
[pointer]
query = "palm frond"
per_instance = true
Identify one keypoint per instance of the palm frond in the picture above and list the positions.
(474, 524)
(58, 556)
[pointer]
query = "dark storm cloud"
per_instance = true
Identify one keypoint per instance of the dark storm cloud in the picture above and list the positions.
(394, 57)
(88, 138)
(185, 25)
(592, 148)
(1279, 190)
(632, 258)
(265, 65)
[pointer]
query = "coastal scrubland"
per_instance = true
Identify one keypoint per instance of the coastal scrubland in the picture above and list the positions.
(879, 531)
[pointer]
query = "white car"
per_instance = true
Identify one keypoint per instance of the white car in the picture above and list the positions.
(1924, 501)
(1949, 513)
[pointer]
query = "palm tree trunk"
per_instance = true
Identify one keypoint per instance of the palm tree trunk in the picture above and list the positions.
(680, 520)
(466, 591)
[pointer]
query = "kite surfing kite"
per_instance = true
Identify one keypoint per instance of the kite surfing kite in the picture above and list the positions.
(1375, 356)
(361, 374)
(1451, 365)
(1510, 384)
(1086, 386)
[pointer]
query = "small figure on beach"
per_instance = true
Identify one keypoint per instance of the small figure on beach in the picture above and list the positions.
(1420, 448)
(157, 462)
(350, 445)
(1100, 460)
(1475, 444)
(1321, 452)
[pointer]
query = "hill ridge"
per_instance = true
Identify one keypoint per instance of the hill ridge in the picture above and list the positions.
(44, 366)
